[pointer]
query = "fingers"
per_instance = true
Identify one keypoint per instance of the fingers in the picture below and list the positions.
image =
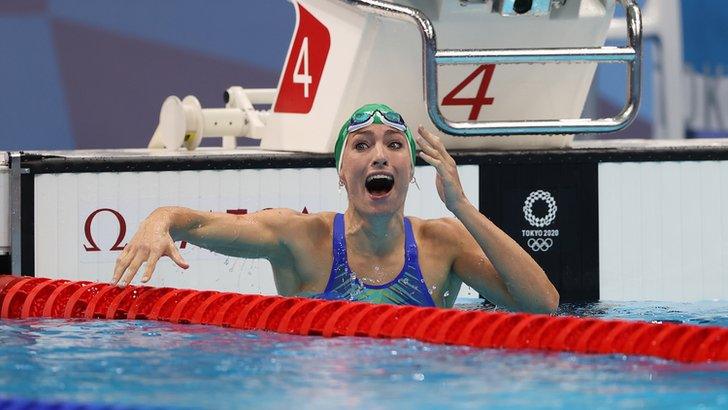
(431, 144)
(431, 139)
(151, 264)
(433, 152)
(177, 258)
(121, 264)
(427, 148)
(430, 160)
(132, 270)
(130, 262)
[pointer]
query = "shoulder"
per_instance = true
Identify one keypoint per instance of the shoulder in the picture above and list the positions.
(442, 230)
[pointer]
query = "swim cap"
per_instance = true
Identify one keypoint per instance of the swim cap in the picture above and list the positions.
(370, 109)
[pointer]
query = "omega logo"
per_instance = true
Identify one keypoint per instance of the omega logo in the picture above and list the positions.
(89, 237)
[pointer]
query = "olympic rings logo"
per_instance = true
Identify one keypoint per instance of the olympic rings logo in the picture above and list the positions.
(540, 244)
(528, 208)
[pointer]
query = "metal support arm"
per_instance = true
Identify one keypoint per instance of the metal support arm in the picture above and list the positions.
(630, 55)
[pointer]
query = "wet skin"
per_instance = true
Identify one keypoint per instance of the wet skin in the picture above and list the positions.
(468, 248)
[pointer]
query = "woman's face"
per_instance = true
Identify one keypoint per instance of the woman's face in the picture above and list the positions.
(376, 169)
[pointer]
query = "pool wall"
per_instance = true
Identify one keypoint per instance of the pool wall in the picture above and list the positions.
(620, 220)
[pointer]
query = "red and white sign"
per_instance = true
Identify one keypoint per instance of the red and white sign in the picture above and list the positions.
(304, 65)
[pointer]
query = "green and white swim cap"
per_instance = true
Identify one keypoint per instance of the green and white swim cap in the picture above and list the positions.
(372, 114)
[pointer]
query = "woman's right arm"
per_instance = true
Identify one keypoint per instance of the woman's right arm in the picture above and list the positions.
(254, 235)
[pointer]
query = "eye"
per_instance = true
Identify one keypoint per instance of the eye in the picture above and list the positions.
(395, 145)
(361, 146)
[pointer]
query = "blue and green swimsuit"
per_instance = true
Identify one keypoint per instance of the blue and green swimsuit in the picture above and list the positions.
(408, 288)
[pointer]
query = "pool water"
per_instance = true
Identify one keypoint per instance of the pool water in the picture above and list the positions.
(162, 365)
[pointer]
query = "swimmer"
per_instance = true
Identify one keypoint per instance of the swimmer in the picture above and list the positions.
(372, 252)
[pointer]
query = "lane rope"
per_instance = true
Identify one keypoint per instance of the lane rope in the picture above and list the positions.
(25, 297)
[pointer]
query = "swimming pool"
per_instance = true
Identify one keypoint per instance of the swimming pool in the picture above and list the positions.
(145, 363)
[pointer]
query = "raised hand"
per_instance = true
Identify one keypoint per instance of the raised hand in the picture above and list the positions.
(151, 242)
(448, 180)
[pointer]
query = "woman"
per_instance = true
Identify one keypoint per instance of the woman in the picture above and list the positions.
(372, 252)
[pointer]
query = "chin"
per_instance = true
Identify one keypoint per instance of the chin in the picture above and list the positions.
(382, 204)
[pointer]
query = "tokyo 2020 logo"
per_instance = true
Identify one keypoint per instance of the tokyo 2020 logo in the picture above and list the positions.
(547, 219)
(540, 240)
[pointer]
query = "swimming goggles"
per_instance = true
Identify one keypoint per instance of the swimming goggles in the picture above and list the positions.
(364, 119)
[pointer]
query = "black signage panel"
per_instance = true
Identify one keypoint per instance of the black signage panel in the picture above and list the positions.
(551, 210)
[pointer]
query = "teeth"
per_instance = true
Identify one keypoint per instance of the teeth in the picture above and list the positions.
(379, 176)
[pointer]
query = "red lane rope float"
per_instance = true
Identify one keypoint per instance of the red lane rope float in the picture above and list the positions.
(22, 297)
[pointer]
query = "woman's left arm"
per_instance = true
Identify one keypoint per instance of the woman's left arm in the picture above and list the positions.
(527, 286)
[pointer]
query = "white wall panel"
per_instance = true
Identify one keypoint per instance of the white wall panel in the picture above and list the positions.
(690, 234)
(662, 231)
(712, 243)
(65, 201)
(610, 209)
(51, 224)
(631, 250)
(650, 239)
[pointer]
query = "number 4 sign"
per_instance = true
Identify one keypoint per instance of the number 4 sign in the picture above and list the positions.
(304, 65)
(303, 77)
(477, 102)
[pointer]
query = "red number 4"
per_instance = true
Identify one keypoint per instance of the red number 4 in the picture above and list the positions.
(480, 99)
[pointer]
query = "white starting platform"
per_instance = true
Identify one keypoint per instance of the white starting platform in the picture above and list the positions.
(504, 83)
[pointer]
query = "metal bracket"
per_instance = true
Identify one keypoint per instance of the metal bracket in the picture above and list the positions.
(432, 57)
(16, 247)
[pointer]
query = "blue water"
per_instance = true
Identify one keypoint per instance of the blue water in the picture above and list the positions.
(162, 365)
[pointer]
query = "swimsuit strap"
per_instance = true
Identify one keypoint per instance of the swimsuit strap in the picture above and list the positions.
(410, 246)
(339, 241)
(412, 264)
(340, 276)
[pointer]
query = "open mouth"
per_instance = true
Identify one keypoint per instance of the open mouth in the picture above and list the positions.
(379, 184)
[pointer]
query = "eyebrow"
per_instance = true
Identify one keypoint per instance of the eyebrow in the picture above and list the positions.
(369, 133)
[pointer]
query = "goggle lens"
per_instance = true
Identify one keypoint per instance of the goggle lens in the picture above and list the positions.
(360, 118)
(394, 117)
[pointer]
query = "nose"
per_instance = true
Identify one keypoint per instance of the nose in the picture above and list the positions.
(380, 157)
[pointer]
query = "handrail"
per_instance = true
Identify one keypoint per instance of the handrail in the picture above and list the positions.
(432, 57)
